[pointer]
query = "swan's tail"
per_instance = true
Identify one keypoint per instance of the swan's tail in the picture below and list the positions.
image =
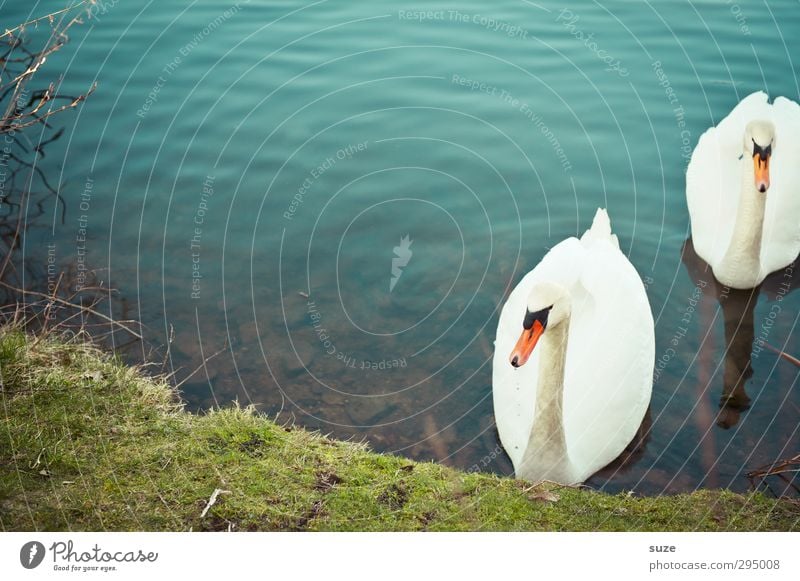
(600, 230)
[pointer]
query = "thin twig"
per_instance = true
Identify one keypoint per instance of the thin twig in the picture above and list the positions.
(783, 354)
(10, 31)
(213, 500)
(201, 366)
(120, 324)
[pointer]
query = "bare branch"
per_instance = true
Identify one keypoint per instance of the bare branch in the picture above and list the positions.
(50, 17)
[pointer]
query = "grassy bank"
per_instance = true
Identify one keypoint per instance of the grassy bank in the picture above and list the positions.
(87, 443)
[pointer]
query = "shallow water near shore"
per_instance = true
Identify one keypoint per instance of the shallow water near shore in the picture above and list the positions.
(331, 202)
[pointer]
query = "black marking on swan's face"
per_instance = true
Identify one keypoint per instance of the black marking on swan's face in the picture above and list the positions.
(762, 152)
(541, 316)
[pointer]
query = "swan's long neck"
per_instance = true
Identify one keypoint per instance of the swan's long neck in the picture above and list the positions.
(744, 252)
(547, 445)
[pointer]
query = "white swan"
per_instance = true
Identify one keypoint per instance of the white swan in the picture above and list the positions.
(743, 191)
(569, 407)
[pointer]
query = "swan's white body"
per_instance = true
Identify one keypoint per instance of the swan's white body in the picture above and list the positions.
(607, 372)
(741, 233)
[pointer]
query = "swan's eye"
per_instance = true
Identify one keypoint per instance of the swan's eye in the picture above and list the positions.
(541, 316)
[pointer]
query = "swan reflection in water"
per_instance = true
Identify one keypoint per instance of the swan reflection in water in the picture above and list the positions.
(738, 308)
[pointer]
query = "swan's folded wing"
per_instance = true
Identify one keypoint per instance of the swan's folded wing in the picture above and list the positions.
(610, 360)
(781, 237)
(731, 128)
(712, 195)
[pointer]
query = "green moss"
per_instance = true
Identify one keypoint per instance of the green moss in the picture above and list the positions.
(87, 443)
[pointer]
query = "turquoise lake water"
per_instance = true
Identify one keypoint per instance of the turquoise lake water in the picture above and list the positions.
(247, 172)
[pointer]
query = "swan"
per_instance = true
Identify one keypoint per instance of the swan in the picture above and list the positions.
(748, 229)
(572, 373)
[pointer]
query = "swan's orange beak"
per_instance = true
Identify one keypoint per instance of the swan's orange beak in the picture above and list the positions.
(527, 341)
(761, 165)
